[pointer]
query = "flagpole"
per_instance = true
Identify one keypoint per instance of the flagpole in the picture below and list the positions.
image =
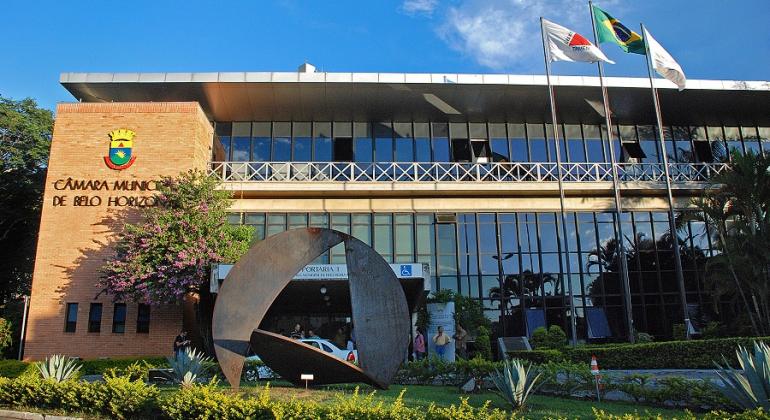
(670, 196)
(546, 55)
(616, 189)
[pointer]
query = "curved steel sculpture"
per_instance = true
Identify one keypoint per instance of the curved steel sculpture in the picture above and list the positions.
(378, 304)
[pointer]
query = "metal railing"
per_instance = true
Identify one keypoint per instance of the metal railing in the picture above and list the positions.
(457, 172)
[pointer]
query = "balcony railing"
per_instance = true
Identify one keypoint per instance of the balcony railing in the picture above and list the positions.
(458, 172)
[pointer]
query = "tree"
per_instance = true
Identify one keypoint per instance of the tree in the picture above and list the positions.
(738, 208)
(170, 252)
(25, 140)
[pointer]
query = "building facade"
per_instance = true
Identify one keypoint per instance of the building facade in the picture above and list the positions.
(455, 171)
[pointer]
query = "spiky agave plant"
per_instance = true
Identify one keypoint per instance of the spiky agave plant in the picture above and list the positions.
(515, 382)
(58, 367)
(188, 366)
(748, 387)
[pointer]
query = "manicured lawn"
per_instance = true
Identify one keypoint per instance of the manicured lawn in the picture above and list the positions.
(420, 396)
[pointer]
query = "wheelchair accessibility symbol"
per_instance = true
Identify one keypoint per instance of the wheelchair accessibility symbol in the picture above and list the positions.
(406, 270)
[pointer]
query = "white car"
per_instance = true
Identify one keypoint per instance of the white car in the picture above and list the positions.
(322, 344)
(327, 346)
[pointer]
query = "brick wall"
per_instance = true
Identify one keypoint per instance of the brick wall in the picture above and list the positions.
(74, 240)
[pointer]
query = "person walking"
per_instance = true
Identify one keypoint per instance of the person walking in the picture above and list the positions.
(441, 342)
(419, 345)
(461, 341)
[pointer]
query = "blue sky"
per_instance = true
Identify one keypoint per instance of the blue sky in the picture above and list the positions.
(711, 39)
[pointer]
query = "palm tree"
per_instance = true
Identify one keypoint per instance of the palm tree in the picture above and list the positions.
(737, 206)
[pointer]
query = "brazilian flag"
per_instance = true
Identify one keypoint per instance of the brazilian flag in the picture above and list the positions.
(610, 29)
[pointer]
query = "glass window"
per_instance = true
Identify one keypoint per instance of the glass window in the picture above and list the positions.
(404, 238)
(733, 139)
(302, 144)
(281, 142)
(751, 140)
(440, 142)
(362, 227)
(764, 138)
(95, 318)
(119, 318)
(297, 221)
(241, 149)
(322, 142)
(276, 223)
(594, 144)
(364, 146)
(71, 319)
(718, 146)
(518, 138)
(404, 143)
(383, 142)
(383, 236)
(575, 148)
(143, 319)
(537, 146)
(682, 136)
(548, 234)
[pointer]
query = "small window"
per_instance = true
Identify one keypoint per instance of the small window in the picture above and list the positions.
(461, 151)
(95, 318)
(326, 348)
(71, 320)
(143, 319)
(343, 149)
(119, 318)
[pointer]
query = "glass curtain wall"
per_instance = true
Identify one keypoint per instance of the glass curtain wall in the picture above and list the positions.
(511, 261)
(365, 142)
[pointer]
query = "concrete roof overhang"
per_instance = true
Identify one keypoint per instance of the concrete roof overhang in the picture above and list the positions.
(244, 96)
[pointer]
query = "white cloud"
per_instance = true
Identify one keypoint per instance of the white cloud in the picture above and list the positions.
(505, 34)
(419, 7)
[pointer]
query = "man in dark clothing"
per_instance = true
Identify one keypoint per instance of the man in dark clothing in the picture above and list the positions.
(181, 343)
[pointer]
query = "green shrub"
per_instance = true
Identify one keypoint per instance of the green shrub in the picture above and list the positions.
(637, 386)
(122, 397)
(137, 371)
(678, 332)
(539, 338)
(538, 356)
(477, 367)
(483, 343)
(758, 414)
(12, 368)
(100, 366)
(6, 334)
(690, 354)
(565, 378)
(643, 337)
(551, 338)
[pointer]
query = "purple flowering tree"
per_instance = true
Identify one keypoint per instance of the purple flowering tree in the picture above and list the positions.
(169, 253)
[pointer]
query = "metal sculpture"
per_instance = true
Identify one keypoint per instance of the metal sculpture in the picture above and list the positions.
(379, 311)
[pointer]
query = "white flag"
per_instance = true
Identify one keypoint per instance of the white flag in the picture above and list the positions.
(567, 45)
(664, 63)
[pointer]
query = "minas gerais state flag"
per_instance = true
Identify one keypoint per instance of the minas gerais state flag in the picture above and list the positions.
(566, 45)
(611, 30)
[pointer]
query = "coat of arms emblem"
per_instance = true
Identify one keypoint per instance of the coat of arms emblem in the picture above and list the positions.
(121, 146)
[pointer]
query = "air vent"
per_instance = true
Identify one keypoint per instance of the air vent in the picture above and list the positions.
(446, 218)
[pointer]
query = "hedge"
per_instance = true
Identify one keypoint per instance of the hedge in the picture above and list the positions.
(98, 366)
(122, 398)
(692, 354)
(12, 368)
